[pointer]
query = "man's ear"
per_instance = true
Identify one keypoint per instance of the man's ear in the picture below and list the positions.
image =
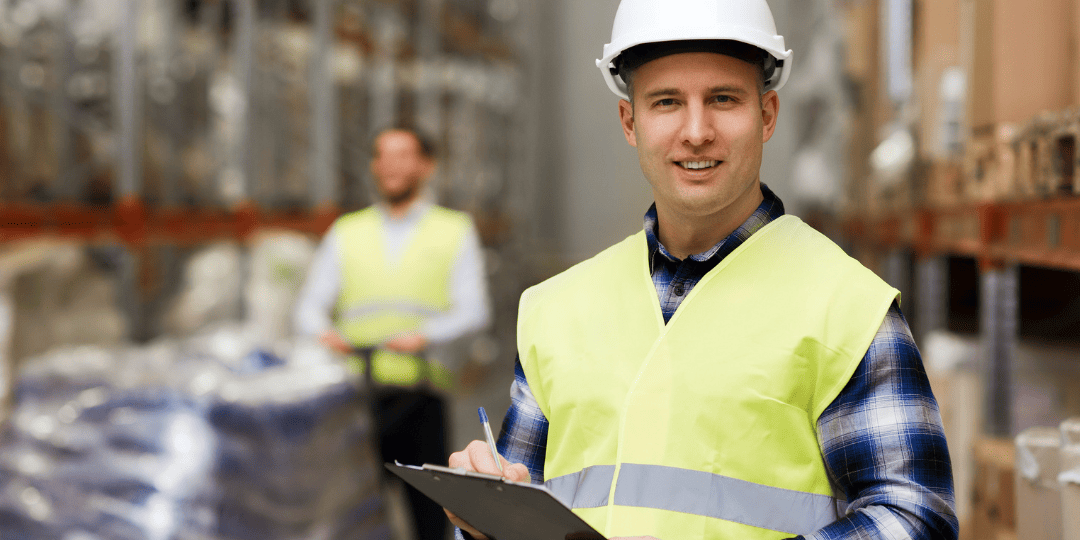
(626, 118)
(427, 168)
(770, 109)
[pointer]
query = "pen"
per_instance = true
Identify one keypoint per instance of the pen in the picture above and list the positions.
(490, 439)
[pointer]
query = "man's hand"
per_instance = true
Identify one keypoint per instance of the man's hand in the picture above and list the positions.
(333, 341)
(409, 343)
(477, 457)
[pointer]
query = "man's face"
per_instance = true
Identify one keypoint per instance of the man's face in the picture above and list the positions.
(399, 166)
(699, 124)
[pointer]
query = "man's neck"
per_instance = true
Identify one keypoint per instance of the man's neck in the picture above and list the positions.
(400, 209)
(685, 235)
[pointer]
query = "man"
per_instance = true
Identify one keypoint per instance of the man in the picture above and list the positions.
(401, 276)
(728, 373)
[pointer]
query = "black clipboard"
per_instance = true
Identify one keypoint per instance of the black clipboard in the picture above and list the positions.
(500, 508)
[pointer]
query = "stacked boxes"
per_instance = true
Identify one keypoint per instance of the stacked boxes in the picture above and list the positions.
(994, 86)
(1035, 159)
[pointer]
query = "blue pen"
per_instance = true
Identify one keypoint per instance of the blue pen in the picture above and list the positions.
(490, 439)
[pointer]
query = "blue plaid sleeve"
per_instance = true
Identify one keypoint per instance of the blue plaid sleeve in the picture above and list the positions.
(885, 449)
(523, 438)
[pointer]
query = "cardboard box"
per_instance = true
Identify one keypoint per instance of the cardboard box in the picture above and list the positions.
(944, 186)
(1020, 61)
(937, 49)
(959, 392)
(990, 164)
(994, 499)
(1075, 42)
(1038, 494)
(1069, 479)
(1070, 499)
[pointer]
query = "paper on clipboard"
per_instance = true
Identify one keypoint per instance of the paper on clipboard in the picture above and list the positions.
(500, 508)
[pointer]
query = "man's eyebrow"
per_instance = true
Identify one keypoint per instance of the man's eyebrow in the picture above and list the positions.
(722, 89)
(728, 89)
(662, 92)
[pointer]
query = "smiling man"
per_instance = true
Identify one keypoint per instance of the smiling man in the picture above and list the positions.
(728, 372)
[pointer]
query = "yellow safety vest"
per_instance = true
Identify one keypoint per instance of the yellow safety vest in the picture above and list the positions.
(379, 300)
(704, 427)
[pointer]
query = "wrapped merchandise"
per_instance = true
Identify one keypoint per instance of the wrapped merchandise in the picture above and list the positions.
(188, 440)
(278, 262)
(211, 290)
(56, 294)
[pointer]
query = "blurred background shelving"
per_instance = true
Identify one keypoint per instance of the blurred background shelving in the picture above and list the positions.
(963, 195)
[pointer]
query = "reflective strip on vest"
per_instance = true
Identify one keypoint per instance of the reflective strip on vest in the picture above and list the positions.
(403, 370)
(405, 308)
(588, 488)
(698, 493)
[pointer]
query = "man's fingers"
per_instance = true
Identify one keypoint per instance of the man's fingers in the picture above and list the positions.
(479, 457)
(460, 460)
(517, 472)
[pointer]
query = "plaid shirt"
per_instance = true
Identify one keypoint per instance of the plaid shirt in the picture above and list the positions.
(881, 439)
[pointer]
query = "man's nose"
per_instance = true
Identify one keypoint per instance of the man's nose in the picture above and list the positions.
(698, 127)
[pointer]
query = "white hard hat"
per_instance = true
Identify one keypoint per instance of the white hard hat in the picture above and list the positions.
(655, 21)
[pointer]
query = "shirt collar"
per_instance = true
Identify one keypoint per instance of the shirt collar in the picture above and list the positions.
(771, 207)
(417, 210)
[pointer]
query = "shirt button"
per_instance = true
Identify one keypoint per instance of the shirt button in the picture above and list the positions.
(679, 290)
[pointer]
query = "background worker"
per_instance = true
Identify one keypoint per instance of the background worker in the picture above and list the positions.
(757, 383)
(402, 275)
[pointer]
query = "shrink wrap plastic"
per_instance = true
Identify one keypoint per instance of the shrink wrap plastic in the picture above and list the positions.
(177, 440)
(1037, 495)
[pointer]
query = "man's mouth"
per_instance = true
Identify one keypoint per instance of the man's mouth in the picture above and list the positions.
(698, 165)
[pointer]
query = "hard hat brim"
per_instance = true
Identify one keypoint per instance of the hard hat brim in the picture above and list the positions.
(773, 45)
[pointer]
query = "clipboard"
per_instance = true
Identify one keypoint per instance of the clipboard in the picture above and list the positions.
(500, 508)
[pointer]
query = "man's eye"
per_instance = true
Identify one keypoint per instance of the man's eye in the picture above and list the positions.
(665, 102)
(723, 99)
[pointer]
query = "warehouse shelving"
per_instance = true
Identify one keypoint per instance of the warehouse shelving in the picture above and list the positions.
(131, 222)
(1042, 233)
(174, 126)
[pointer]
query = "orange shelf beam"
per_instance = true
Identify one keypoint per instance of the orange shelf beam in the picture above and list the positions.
(133, 223)
(1036, 233)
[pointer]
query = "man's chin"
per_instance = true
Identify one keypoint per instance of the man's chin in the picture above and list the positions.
(401, 197)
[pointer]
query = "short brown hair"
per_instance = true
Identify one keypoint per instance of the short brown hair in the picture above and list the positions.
(427, 146)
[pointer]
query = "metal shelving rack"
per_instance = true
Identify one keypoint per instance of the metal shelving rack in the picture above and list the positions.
(1001, 237)
(204, 133)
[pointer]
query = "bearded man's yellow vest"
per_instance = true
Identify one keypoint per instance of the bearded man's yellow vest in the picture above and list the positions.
(380, 299)
(704, 427)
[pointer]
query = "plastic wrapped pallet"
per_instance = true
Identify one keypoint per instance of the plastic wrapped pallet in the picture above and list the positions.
(188, 440)
(1070, 478)
(1038, 496)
